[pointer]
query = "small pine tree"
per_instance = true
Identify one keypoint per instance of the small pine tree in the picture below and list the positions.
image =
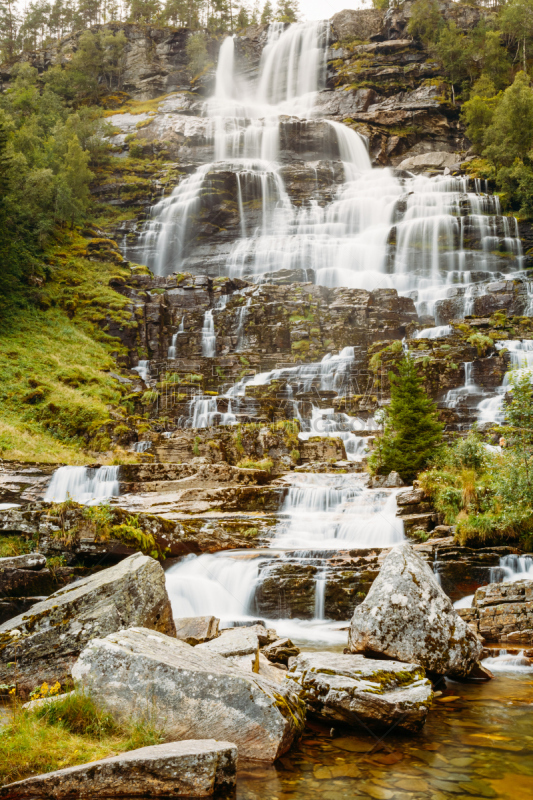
(412, 429)
(266, 16)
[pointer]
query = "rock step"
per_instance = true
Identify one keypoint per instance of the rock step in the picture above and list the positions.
(193, 768)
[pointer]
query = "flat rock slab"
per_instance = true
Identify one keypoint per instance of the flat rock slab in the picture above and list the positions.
(47, 639)
(233, 642)
(195, 768)
(28, 561)
(352, 689)
(407, 616)
(196, 630)
(189, 692)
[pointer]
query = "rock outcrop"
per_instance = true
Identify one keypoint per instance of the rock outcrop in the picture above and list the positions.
(359, 691)
(189, 692)
(195, 768)
(196, 630)
(45, 642)
(503, 612)
(407, 616)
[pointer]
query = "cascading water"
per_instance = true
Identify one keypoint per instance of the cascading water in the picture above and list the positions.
(381, 230)
(491, 409)
(510, 569)
(83, 484)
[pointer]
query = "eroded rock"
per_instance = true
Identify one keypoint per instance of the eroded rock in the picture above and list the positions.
(195, 630)
(354, 690)
(45, 641)
(407, 616)
(190, 692)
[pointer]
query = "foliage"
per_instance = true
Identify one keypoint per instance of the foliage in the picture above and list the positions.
(197, 55)
(489, 495)
(481, 342)
(425, 20)
(510, 134)
(102, 522)
(265, 463)
(80, 730)
(287, 11)
(412, 430)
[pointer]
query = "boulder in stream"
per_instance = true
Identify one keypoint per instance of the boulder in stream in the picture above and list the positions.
(355, 690)
(45, 641)
(178, 769)
(407, 616)
(189, 692)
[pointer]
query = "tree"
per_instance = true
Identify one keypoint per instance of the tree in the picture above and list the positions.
(425, 20)
(516, 20)
(197, 54)
(287, 11)
(243, 19)
(412, 429)
(143, 10)
(8, 29)
(266, 15)
(519, 416)
(495, 59)
(73, 194)
(454, 50)
(478, 112)
(510, 136)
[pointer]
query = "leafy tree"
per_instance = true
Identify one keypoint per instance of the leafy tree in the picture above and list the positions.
(267, 13)
(287, 11)
(243, 19)
(519, 416)
(8, 29)
(412, 430)
(143, 10)
(454, 50)
(510, 135)
(495, 59)
(425, 20)
(197, 53)
(516, 20)
(478, 112)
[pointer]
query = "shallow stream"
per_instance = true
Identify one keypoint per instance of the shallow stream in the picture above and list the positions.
(477, 743)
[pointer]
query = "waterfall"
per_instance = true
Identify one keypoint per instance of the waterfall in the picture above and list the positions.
(83, 484)
(320, 596)
(511, 568)
(209, 339)
(491, 409)
(143, 368)
(380, 229)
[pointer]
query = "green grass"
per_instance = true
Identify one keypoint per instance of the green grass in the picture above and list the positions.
(55, 389)
(70, 731)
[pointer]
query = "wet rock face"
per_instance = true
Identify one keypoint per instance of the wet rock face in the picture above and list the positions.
(407, 616)
(351, 689)
(190, 693)
(504, 612)
(196, 768)
(46, 641)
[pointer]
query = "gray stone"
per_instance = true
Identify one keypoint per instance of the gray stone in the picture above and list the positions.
(357, 23)
(407, 616)
(28, 561)
(190, 692)
(46, 640)
(280, 651)
(233, 642)
(352, 689)
(195, 630)
(194, 768)
(435, 160)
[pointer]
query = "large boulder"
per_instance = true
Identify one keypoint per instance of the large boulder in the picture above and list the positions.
(353, 690)
(177, 769)
(189, 692)
(45, 641)
(407, 616)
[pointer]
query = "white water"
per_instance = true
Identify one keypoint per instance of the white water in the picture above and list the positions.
(491, 409)
(347, 242)
(143, 368)
(507, 662)
(321, 512)
(434, 333)
(83, 484)
(511, 568)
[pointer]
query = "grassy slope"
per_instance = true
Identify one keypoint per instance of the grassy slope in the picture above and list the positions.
(55, 389)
